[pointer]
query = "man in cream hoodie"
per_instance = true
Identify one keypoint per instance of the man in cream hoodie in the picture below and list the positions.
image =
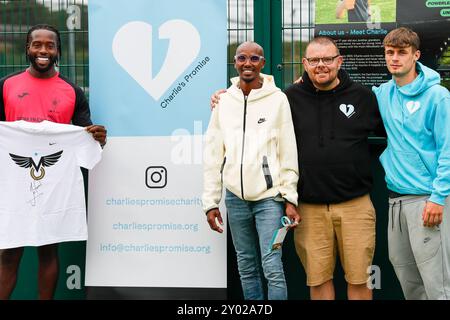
(251, 150)
(416, 113)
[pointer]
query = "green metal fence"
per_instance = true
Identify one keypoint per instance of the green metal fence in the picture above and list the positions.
(69, 17)
(283, 27)
(297, 29)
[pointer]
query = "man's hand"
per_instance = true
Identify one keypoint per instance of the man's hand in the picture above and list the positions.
(342, 6)
(292, 214)
(298, 81)
(432, 214)
(211, 217)
(349, 4)
(216, 97)
(98, 132)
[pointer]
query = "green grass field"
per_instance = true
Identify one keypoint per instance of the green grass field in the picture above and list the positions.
(326, 11)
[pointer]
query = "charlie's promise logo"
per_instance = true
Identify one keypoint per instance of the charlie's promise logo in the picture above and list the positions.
(132, 48)
(28, 162)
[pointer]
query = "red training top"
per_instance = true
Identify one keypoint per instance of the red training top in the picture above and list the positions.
(56, 99)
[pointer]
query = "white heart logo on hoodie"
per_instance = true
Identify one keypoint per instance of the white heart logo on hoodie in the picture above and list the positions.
(132, 49)
(412, 106)
(347, 109)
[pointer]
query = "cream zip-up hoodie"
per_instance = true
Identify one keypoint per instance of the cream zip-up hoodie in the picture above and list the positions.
(250, 146)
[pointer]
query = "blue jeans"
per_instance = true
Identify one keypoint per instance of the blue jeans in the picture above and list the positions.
(252, 224)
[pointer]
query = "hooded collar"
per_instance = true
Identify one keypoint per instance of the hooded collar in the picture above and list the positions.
(267, 88)
(425, 79)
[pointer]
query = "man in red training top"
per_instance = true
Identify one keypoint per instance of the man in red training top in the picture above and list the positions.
(36, 94)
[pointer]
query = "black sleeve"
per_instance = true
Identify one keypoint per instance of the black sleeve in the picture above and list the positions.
(2, 103)
(374, 117)
(82, 114)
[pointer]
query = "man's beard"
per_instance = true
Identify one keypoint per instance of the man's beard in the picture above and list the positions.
(248, 80)
(52, 61)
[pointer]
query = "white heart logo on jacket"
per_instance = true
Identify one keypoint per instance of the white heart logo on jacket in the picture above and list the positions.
(132, 49)
(347, 109)
(412, 106)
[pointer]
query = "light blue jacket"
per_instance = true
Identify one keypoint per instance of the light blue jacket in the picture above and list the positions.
(417, 121)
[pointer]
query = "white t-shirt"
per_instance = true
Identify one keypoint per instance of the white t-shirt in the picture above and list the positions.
(41, 184)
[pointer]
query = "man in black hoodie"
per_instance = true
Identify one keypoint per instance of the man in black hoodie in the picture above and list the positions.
(333, 117)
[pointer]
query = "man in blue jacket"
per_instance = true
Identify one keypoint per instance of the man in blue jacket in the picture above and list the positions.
(416, 114)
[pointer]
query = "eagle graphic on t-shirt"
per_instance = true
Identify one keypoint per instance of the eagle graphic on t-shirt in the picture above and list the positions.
(28, 162)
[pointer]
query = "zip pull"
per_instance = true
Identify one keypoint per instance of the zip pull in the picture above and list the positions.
(243, 147)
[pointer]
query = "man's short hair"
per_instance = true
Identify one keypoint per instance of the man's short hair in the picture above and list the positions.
(253, 43)
(322, 40)
(402, 38)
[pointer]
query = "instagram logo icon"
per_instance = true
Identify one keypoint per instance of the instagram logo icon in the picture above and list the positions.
(156, 177)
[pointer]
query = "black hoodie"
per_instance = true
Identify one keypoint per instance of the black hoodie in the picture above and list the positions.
(331, 129)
